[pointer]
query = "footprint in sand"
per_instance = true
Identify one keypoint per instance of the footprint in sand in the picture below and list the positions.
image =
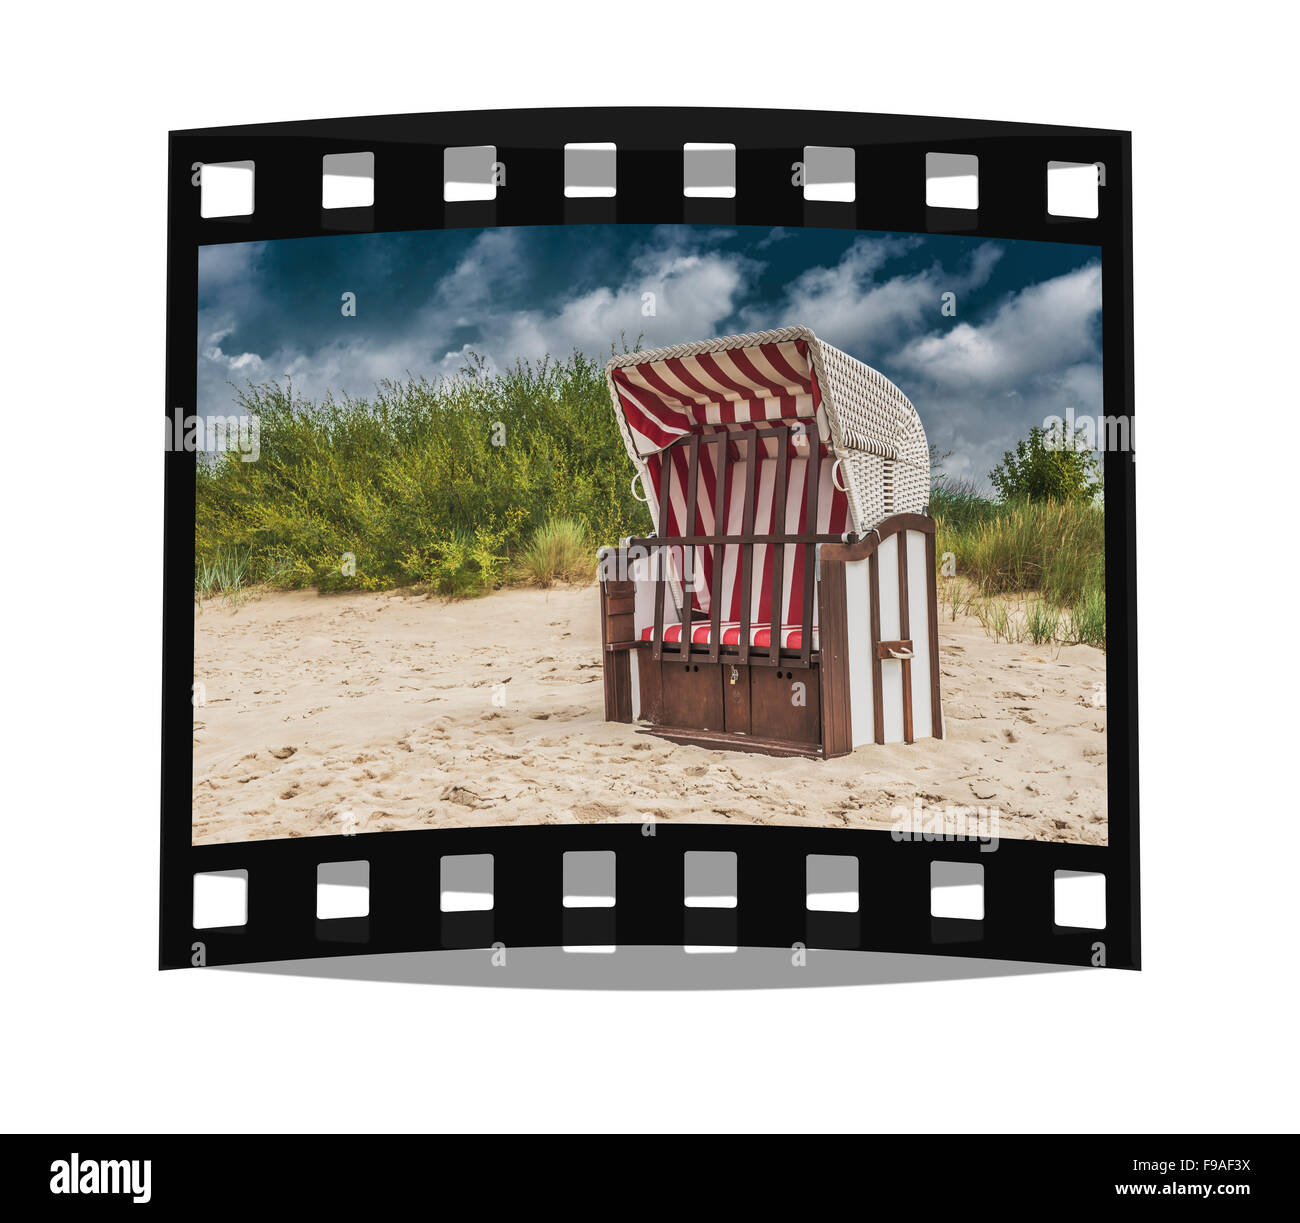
(460, 796)
(595, 813)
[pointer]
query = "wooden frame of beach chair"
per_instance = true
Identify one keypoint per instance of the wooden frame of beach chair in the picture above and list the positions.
(784, 476)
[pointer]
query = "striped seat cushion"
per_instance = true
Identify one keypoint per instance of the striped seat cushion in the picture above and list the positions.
(759, 634)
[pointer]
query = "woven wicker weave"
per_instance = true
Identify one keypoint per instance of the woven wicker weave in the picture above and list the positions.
(875, 431)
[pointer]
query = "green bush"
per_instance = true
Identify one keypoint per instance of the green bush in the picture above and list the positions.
(1046, 466)
(439, 483)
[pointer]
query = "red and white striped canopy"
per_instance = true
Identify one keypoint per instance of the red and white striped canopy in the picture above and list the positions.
(715, 392)
(664, 400)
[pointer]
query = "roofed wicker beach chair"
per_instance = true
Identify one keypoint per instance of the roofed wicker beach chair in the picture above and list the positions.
(786, 600)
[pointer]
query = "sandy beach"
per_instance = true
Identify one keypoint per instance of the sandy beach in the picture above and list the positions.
(374, 712)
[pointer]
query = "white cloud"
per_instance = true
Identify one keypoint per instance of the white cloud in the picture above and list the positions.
(492, 258)
(981, 387)
(778, 234)
(676, 287)
(854, 306)
(1044, 328)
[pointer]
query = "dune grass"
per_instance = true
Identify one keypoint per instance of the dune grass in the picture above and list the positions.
(559, 551)
(224, 574)
(1052, 550)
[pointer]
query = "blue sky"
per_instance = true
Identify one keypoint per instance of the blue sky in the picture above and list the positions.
(1024, 344)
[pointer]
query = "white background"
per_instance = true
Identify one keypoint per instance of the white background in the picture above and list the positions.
(93, 1036)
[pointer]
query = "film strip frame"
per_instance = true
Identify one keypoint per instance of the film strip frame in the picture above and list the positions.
(771, 907)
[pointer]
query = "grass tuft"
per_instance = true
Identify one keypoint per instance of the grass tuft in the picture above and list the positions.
(224, 574)
(559, 551)
(1042, 622)
(1054, 550)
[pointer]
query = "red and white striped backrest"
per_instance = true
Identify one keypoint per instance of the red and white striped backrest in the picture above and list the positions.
(705, 394)
(832, 519)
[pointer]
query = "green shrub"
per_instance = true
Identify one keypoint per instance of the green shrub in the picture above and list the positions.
(1046, 466)
(456, 563)
(440, 483)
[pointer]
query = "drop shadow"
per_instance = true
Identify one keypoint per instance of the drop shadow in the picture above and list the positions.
(650, 968)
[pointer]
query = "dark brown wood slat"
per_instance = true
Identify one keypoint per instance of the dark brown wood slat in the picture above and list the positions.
(703, 541)
(692, 495)
(747, 547)
(837, 724)
(778, 549)
(877, 696)
(932, 601)
(723, 741)
(616, 670)
(735, 697)
(659, 572)
(719, 551)
(620, 628)
(650, 682)
(810, 550)
(905, 632)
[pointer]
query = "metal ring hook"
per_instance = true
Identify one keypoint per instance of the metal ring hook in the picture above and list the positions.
(835, 470)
